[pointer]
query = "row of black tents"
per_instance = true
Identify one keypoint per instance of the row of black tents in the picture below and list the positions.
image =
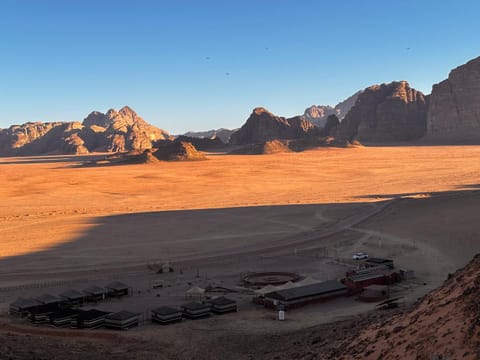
(62, 310)
(48, 303)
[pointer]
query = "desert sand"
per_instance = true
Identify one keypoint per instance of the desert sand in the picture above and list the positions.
(64, 225)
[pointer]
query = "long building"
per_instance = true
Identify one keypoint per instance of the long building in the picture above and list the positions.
(302, 295)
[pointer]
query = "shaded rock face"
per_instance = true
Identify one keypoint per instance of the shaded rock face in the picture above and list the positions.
(202, 143)
(331, 126)
(113, 132)
(318, 114)
(454, 111)
(222, 134)
(263, 126)
(386, 113)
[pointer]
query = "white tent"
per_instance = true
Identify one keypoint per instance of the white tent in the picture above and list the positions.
(195, 292)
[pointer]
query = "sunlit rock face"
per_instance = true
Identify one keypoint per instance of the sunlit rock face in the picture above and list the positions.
(114, 131)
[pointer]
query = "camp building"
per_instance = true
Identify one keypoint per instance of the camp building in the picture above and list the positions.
(122, 320)
(166, 315)
(302, 295)
(195, 310)
(222, 305)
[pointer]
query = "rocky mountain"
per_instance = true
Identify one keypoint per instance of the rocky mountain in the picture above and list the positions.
(454, 111)
(386, 113)
(114, 131)
(318, 114)
(222, 134)
(263, 126)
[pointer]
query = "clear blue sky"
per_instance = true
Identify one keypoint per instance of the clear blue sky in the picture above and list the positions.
(197, 65)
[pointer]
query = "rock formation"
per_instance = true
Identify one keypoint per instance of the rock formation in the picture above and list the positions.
(41, 138)
(177, 151)
(263, 126)
(266, 147)
(386, 113)
(222, 134)
(113, 132)
(318, 114)
(123, 130)
(454, 111)
(202, 143)
(331, 126)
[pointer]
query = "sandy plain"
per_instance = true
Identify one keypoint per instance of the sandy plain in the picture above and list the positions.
(64, 225)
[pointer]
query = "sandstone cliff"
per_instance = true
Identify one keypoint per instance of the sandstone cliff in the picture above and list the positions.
(123, 130)
(41, 138)
(386, 113)
(454, 112)
(263, 126)
(113, 132)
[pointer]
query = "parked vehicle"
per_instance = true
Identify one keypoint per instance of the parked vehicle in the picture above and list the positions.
(360, 256)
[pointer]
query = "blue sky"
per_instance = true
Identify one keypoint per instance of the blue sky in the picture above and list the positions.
(197, 65)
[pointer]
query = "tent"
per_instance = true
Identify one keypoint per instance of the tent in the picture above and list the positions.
(195, 292)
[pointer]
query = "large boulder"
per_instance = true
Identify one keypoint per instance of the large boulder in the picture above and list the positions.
(454, 111)
(386, 113)
(263, 126)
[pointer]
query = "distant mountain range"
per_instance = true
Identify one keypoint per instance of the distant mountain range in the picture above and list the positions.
(384, 113)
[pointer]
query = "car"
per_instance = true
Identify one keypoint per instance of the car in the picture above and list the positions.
(360, 256)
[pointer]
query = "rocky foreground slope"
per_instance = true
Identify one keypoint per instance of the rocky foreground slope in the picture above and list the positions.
(386, 113)
(114, 131)
(454, 112)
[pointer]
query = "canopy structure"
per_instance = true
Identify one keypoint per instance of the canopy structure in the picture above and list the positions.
(195, 292)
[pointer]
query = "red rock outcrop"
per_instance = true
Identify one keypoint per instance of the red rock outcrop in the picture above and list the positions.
(454, 111)
(386, 113)
(263, 126)
(124, 130)
(113, 132)
(177, 151)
